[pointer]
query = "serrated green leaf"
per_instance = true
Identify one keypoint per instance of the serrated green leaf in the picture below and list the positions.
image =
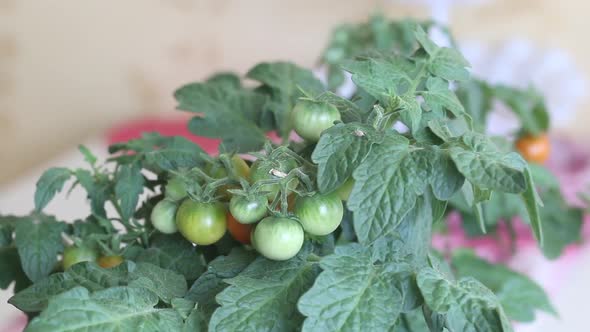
(360, 288)
(226, 79)
(49, 184)
(11, 270)
(183, 306)
(445, 179)
(438, 97)
(173, 252)
(528, 105)
(469, 306)
(98, 191)
(519, 295)
(339, 152)
(382, 77)
(7, 224)
(128, 187)
(416, 229)
(176, 152)
(484, 166)
(221, 108)
(532, 202)
(87, 275)
(285, 81)
(349, 111)
(476, 96)
(121, 308)
(264, 296)
(448, 129)
(88, 155)
(204, 289)
(562, 224)
(410, 111)
(166, 284)
(390, 180)
(38, 240)
(195, 322)
(445, 62)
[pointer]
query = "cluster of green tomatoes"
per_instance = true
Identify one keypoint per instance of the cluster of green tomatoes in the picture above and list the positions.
(268, 212)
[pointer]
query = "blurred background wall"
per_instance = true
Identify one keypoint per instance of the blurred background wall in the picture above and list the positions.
(71, 69)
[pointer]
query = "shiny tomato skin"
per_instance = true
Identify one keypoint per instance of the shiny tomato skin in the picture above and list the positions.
(107, 262)
(278, 238)
(240, 232)
(163, 216)
(319, 214)
(74, 255)
(248, 211)
(311, 118)
(201, 223)
(535, 149)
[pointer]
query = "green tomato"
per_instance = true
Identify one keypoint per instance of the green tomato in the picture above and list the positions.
(345, 189)
(175, 189)
(311, 118)
(201, 223)
(248, 211)
(163, 216)
(278, 238)
(261, 170)
(319, 214)
(74, 255)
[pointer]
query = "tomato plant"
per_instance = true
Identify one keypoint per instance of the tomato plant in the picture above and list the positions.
(201, 223)
(313, 261)
(319, 214)
(240, 232)
(74, 255)
(278, 238)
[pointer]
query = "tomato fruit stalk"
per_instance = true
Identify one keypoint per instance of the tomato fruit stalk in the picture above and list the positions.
(261, 170)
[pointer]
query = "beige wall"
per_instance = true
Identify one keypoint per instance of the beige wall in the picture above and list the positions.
(69, 68)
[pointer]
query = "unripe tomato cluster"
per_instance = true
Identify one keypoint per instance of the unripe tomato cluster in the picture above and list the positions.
(248, 218)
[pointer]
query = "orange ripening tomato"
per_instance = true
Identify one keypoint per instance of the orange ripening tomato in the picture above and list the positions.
(107, 262)
(240, 232)
(534, 149)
